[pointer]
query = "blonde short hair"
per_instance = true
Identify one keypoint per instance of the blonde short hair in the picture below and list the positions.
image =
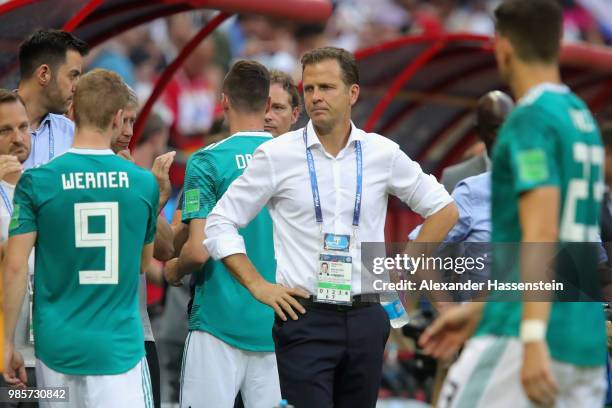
(99, 95)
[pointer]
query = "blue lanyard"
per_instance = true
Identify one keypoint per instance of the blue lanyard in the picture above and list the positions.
(7, 202)
(316, 198)
(51, 142)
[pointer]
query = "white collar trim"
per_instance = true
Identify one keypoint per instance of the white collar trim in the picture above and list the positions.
(95, 152)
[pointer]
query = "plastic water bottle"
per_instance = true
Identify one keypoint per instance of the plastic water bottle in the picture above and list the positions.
(396, 312)
(284, 404)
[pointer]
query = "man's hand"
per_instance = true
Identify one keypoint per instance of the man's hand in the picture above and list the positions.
(8, 164)
(536, 375)
(126, 155)
(15, 372)
(280, 298)
(160, 169)
(171, 273)
(447, 334)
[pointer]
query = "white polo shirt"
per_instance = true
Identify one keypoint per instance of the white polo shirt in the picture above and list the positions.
(278, 178)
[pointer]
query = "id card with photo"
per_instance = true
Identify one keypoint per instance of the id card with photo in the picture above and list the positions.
(334, 279)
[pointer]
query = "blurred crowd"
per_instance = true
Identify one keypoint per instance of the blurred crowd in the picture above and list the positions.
(189, 107)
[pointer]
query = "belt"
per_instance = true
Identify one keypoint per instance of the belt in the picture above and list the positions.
(359, 301)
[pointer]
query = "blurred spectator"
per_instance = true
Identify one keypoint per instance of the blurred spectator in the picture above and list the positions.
(190, 106)
(151, 143)
(265, 40)
(579, 24)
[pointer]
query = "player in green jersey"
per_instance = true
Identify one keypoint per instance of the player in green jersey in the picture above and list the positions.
(547, 188)
(87, 212)
(229, 347)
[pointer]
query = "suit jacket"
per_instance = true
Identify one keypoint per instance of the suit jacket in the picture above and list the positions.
(471, 167)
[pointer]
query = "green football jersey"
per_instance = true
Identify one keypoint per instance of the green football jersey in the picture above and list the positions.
(551, 139)
(221, 306)
(93, 212)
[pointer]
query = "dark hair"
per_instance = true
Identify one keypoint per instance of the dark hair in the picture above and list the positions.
(247, 85)
(47, 47)
(534, 27)
(346, 60)
(284, 80)
(7, 96)
(606, 134)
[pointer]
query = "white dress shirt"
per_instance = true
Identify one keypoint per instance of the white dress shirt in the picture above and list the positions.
(277, 177)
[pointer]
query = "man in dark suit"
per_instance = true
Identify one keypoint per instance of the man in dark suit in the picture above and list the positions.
(490, 114)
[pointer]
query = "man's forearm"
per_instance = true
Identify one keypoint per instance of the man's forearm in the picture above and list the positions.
(191, 259)
(15, 283)
(537, 260)
(436, 227)
(164, 240)
(434, 230)
(243, 270)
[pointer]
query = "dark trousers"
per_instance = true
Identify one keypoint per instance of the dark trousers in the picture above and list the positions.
(153, 363)
(331, 358)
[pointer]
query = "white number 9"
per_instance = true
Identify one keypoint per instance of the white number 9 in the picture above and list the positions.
(109, 240)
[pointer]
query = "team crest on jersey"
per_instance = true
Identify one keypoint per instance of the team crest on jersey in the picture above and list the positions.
(192, 200)
(533, 166)
(14, 218)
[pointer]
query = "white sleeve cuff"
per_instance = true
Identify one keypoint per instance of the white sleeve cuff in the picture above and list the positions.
(225, 245)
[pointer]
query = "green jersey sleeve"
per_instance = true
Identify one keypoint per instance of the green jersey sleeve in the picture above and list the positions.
(153, 208)
(531, 146)
(200, 189)
(23, 219)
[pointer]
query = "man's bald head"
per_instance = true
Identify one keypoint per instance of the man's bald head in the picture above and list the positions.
(491, 112)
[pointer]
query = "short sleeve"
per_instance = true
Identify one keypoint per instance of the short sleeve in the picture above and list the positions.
(23, 219)
(152, 223)
(531, 140)
(200, 189)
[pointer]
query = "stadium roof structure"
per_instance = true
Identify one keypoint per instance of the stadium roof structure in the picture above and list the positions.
(421, 91)
(96, 21)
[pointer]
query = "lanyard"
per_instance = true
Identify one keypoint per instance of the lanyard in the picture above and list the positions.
(51, 142)
(316, 198)
(7, 202)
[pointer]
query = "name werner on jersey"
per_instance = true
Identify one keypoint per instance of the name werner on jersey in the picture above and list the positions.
(92, 180)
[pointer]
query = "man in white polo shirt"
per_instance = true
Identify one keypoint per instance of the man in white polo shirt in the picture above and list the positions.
(326, 187)
(50, 65)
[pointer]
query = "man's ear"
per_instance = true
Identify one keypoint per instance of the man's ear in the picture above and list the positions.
(118, 120)
(354, 93)
(43, 74)
(295, 115)
(225, 103)
(268, 104)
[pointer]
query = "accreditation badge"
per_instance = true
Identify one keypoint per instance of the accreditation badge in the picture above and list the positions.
(335, 269)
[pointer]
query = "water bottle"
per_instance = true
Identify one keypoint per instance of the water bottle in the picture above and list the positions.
(284, 404)
(396, 312)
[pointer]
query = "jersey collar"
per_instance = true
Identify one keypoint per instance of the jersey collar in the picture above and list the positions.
(534, 93)
(256, 133)
(95, 152)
